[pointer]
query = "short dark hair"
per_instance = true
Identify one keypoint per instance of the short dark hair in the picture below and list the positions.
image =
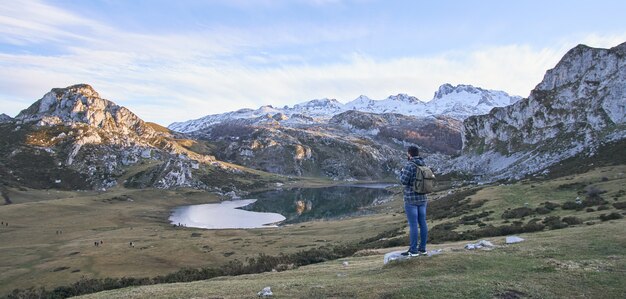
(413, 151)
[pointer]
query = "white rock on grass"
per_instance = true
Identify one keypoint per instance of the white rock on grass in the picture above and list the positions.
(394, 256)
(482, 244)
(266, 292)
(513, 240)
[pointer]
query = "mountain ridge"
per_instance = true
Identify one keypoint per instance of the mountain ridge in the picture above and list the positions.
(458, 102)
(578, 107)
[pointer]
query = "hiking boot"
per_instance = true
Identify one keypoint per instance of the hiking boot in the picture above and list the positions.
(408, 253)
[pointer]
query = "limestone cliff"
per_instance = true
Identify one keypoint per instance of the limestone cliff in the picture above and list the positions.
(72, 138)
(579, 105)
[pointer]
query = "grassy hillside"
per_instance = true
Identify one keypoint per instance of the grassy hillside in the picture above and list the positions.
(585, 261)
(33, 254)
(572, 235)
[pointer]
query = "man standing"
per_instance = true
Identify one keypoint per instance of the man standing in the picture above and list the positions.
(414, 204)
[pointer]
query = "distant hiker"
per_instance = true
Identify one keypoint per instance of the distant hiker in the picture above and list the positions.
(101, 242)
(95, 243)
(131, 244)
(414, 203)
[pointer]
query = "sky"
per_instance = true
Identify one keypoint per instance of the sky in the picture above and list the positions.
(173, 61)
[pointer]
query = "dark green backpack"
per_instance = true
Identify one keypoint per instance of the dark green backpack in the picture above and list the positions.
(424, 180)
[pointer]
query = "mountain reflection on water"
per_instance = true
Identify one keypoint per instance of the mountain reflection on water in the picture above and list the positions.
(306, 204)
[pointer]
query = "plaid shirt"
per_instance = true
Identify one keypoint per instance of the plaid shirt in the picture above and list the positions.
(407, 176)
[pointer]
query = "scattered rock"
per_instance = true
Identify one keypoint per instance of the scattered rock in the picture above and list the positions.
(397, 255)
(513, 240)
(266, 292)
(232, 195)
(482, 244)
(394, 256)
(435, 252)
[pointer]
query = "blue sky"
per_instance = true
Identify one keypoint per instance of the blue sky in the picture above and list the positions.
(176, 60)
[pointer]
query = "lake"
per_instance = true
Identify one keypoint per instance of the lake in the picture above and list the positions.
(285, 206)
(223, 215)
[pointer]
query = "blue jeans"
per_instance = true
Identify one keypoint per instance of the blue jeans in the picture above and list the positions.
(416, 214)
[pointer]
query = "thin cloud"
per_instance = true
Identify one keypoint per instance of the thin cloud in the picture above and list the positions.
(175, 77)
(212, 88)
(25, 22)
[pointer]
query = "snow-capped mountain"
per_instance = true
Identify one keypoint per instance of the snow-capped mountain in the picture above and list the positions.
(457, 102)
(463, 101)
(401, 103)
(579, 106)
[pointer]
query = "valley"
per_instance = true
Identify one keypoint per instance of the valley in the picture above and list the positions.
(585, 261)
(35, 255)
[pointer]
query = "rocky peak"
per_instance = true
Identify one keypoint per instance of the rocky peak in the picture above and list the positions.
(83, 89)
(443, 90)
(620, 49)
(81, 104)
(5, 118)
(403, 97)
(462, 101)
(319, 103)
(578, 106)
(581, 74)
(363, 98)
(447, 89)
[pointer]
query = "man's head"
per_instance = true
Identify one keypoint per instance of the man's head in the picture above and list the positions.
(413, 151)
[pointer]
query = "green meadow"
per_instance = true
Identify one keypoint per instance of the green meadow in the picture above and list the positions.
(573, 226)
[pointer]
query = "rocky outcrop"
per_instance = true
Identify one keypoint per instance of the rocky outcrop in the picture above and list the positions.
(73, 139)
(82, 104)
(5, 118)
(352, 145)
(579, 105)
(311, 151)
(432, 134)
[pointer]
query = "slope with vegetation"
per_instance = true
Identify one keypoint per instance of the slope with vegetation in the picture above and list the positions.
(563, 233)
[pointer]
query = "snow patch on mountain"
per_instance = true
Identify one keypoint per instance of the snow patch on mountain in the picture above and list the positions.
(463, 101)
(458, 102)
